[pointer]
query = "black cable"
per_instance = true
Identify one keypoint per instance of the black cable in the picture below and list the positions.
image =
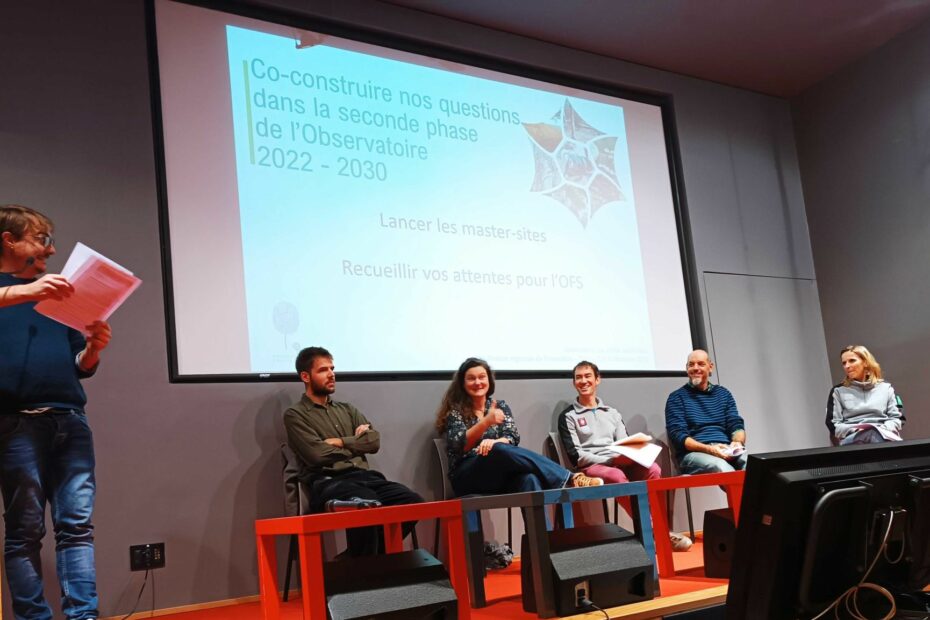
(586, 602)
(138, 598)
(152, 614)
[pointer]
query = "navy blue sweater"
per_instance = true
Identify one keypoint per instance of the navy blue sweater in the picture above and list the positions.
(709, 416)
(38, 366)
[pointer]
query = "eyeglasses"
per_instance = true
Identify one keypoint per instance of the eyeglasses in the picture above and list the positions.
(47, 241)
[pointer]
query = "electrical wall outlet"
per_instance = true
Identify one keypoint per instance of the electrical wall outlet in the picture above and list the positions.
(582, 592)
(145, 557)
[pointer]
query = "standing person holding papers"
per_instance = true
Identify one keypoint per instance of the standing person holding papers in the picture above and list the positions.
(589, 427)
(46, 446)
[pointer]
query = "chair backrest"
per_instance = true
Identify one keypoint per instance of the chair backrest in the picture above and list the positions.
(440, 443)
(828, 421)
(560, 451)
(296, 494)
(666, 459)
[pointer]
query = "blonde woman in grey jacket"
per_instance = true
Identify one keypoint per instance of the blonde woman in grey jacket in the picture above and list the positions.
(863, 408)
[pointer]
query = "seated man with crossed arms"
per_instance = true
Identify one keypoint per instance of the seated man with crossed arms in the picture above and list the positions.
(331, 439)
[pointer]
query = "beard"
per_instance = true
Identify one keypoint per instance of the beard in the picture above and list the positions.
(321, 389)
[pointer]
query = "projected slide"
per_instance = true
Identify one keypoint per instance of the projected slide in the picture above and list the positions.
(407, 212)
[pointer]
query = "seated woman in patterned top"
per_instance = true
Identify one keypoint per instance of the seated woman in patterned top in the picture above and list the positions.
(482, 441)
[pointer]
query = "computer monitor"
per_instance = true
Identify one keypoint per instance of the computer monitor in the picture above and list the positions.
(812, 521)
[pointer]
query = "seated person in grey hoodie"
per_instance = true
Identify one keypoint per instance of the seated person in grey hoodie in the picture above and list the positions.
(587, 429)
(863, 408)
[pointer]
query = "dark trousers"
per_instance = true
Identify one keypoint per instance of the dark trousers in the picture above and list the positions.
(364, 484)
(507, 469)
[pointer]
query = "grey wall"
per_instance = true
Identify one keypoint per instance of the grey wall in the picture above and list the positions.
(864, 140)
(194, 465)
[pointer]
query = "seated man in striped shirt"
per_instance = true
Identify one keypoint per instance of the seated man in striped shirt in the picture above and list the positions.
(703, 424)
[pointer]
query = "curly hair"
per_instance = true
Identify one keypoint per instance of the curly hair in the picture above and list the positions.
(456, 398)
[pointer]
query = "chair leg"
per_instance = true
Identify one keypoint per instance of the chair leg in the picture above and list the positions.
(475, 557)
(291, 553)
(558, 521)
(606, 510)
(510, 527)
(669, 500)
(413, 538)
(690, 517)
(634, 514)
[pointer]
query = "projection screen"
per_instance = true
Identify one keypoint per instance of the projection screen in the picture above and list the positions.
(406, 211)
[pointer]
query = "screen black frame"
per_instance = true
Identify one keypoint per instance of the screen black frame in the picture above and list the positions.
(292, 18)
(757, 576)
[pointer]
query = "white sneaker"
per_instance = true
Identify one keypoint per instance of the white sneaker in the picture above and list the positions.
(679, 542)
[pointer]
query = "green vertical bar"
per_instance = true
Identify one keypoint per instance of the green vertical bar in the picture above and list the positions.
(248, 110)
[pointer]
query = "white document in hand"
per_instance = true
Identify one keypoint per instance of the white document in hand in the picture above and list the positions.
(100, 287)
(634, 439)
(733, 451)
(641, 453)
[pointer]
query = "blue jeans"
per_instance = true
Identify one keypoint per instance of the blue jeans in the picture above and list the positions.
(507, 469)
(48, 458)
(701, 463)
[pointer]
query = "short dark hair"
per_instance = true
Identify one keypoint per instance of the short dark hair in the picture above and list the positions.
(582, 363)
(306, 356)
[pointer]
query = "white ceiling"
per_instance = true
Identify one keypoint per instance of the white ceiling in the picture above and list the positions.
(777, 47)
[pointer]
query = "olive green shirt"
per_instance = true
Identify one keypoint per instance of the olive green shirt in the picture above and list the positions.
(308, 425)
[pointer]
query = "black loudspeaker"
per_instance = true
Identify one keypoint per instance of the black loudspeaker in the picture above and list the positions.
(719, 538)
(609, 558)
(411, 585)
